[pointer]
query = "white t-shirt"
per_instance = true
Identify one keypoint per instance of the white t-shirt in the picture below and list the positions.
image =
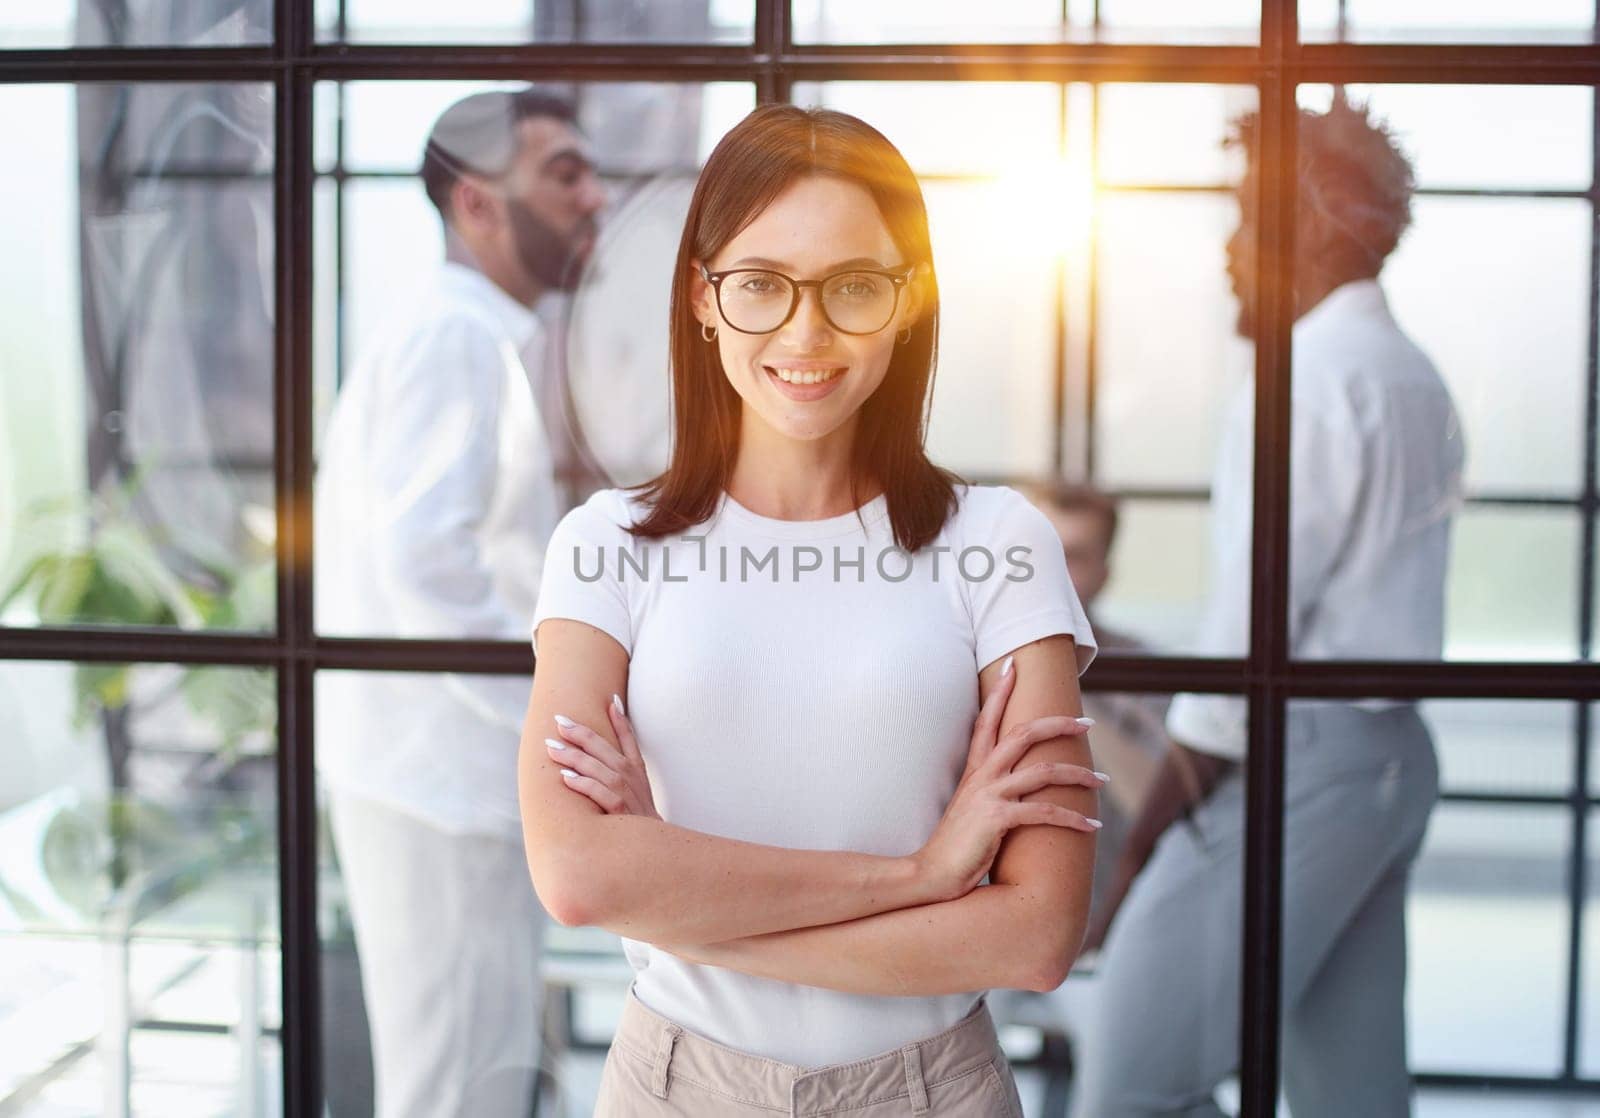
(809, 685)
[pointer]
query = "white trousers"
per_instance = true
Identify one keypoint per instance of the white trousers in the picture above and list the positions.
(449, 931)
(1359, 787)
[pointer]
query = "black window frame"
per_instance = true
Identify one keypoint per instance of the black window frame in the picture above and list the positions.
(294, 62)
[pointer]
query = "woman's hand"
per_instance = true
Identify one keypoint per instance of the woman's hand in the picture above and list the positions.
(986, 805)
(616, 781)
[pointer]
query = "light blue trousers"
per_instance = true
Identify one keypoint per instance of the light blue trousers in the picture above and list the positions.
(1359, 787)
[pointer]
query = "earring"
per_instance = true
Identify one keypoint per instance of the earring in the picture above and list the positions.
(708, 332)
(904, 336)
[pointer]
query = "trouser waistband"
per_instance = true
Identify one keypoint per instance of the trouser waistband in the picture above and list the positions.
(905, 1072)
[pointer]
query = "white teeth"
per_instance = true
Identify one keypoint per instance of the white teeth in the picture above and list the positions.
(805, 376)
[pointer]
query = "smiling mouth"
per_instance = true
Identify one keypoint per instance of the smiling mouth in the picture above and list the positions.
(805, 376)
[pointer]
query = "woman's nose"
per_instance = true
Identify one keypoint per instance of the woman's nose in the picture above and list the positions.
(808, 326)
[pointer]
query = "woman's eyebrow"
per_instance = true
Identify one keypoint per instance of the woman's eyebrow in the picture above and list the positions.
(781, 266)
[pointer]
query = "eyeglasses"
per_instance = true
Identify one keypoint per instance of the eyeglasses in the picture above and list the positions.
(758, 301)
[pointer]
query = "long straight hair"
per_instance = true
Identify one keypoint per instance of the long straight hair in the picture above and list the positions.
(766, 152)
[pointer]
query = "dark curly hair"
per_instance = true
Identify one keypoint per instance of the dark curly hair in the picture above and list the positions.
(1352, 174)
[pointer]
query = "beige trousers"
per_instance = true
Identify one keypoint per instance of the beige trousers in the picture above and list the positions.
(656, 1068)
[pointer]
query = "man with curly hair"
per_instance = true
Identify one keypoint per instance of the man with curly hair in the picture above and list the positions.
(1375, 459)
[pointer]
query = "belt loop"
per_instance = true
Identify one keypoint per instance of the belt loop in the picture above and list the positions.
(664, 1043)
(912, 1055)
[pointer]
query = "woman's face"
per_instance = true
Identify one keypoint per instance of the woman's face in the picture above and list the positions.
(818, 226)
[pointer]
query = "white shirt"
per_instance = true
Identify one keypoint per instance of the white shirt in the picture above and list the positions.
(435, 497)
(783, 705)
(1376, 453)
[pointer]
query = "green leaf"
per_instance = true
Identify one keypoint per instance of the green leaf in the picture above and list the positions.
(27, 575)
(238, 702)
(254, 595)
(64, 584)
(133, 562)
(116, 600)
(101, 687)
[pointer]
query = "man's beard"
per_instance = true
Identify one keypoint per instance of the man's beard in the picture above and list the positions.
(1245, 324)
(548, 257)
(1244, 298)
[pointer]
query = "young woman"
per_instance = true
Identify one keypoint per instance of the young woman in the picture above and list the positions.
(790, 820)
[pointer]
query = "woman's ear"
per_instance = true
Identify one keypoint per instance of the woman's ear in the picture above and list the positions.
(701, 297)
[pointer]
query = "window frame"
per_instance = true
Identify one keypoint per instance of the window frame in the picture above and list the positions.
(1268, 677)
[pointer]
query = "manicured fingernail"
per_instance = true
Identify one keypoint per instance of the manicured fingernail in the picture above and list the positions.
(1005, 669)
(564, 722)
(1095, 823)
(1103, 778)
(616, 701)
(1081, 721)
(553, 743)
(569, 773)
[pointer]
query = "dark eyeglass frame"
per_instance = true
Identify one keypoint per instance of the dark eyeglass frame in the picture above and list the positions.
(898, 277)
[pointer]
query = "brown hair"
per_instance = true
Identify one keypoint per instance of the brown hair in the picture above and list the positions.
(773, 147)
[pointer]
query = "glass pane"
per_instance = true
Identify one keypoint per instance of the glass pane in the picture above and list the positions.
(996, 346)
(1173, 937)
(997, 269)
(1398, 907)
(1027, 21)
(1146, 592)
(533, 21)
(1170, 372)
(1158, 414)
(1129, 742)
(1481, 137)
(136, 23)
(1471, 737)
(136, 357)
(1512, 590)
(1466, 21)
(1484, 870)
(1169, 135)
(936, 21)
(1414, 451)
(381, 271)
(1087, 262)
(1594, 606)
(923, 118)
(641, 128)
(1180, 21)
(1589, 988)
(1525, 308)
(327, 320)
(139, 931)
(462, 547)
(393, 809)
(1593, 746)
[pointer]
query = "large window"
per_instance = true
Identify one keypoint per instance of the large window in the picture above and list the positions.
(212, 205)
